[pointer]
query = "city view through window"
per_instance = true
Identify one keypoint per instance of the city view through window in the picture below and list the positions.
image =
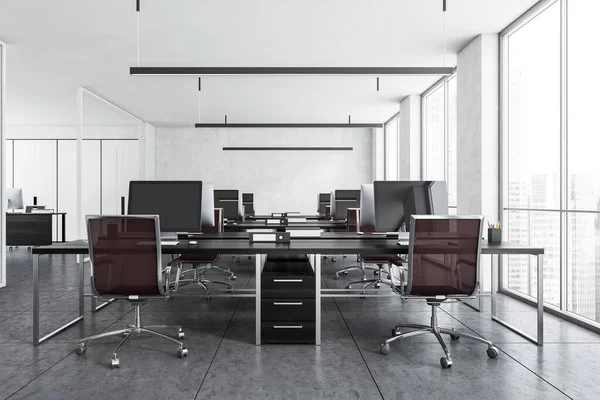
(551, 173)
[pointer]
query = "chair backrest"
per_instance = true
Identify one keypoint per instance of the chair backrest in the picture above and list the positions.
(125, 255)
(444, 254)
(352, 220)
(218, 225)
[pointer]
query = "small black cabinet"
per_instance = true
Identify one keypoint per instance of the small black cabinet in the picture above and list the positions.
(288, 300)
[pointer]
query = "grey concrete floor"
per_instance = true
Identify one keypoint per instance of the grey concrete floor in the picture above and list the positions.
(224, 363)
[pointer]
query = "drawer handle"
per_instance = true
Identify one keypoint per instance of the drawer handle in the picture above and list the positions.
(287, 303)
(287, 326)
(287, 280)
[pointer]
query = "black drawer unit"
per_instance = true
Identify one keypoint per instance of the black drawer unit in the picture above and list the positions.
(288, 300)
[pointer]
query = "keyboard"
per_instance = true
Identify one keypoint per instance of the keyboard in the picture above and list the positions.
(169, 242)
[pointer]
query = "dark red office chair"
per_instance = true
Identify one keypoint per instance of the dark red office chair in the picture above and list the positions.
(203, 263)
(443, 265)
(126, 263)
(374, 262)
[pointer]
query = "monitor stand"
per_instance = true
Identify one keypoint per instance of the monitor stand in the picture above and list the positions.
(168, 236)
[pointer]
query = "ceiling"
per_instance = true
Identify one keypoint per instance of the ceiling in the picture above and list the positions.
(52, 50)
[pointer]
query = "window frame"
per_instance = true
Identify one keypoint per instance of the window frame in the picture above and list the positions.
(564, 211)
(441, 83)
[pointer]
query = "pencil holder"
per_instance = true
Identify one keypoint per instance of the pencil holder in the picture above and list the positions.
(494, 235)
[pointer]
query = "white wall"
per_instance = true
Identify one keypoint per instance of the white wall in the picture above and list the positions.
(280, 180)
(410, 138)
(70, 132)
(378, 154)
(477, 132)
(149, 152)
(2, 165)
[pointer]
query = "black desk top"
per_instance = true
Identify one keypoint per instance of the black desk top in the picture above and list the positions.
(308, 217)
(297, 246)
(36, 213)
(290, 225)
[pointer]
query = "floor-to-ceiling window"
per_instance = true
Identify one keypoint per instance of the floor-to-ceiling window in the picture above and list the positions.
(551, 182)
(439, 135)
(391, 149)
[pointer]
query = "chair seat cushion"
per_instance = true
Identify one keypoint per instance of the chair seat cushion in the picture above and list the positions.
(379, 258)
(437, 291)
(194, 258)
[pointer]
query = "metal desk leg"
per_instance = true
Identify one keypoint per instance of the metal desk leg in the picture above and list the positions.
(81, 266)
(318, 299)
(64, 229)
(258, 263)
(36, 300)
(495, 261)
(540, 305)
(539, 340)
(36, 303)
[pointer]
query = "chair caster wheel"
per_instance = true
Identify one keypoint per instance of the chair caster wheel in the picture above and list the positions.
(492, 352)
(395, 332)
(81, 349)
(336, 276)
(376, 273)
(454, 337)
(114, 362)
(384, 349)
(10, 249)
(446, 362)
(180, 335)
(345, 272)
(182, 352)
(377, 285)
(232, 277)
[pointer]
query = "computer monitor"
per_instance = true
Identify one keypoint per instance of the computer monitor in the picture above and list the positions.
(177, 203)
(230, 202)
(345, 199)
(367, 207)
(248, 203)
(208, 205)
(332, 204)
(324, 199)
(14, 198)
(397, 201)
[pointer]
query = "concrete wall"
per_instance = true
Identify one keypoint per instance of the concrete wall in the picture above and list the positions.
(280, 180)
(410, 138)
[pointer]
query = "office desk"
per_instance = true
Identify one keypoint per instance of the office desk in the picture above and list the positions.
(224, 243)
(290, 225)
(265, 217)
(26, 229)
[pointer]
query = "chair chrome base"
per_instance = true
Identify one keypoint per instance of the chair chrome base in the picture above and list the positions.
(446, 362)
(132, 329)
(199, 279)
(360, 267)
(375, 282)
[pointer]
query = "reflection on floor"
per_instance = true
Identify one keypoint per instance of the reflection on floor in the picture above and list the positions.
(224, 363)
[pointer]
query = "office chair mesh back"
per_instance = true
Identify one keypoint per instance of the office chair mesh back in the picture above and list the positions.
(353, 219)
(124, 255)
(444, 256)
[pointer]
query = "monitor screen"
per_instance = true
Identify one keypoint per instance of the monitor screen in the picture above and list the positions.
(208, 205)
(397, 201)
(367, 207)
(177, 203)
(324, 201)
(230, 202)
(248, 203)
(14, 197)
(345, 199)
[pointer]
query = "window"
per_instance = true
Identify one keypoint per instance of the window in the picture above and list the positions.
(551, 182)
(392, 164)
(439, 135)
